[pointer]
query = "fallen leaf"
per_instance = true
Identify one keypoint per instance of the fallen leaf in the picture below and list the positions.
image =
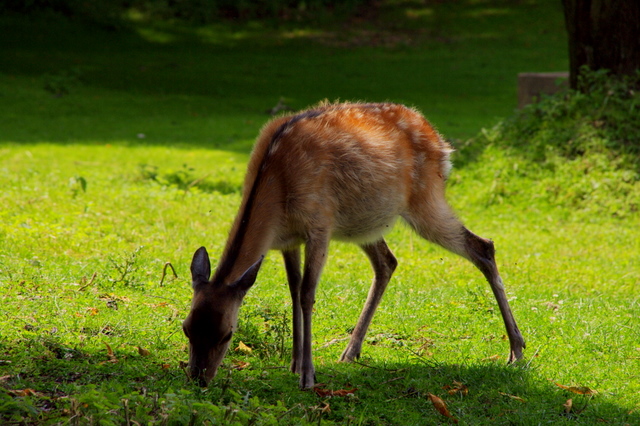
(92, 311)
(244, 348)
(568, 405)
(165, 366)
(323, 393)
(344, 392)
(110, 354)
(517, 398)
(581, 390)
(552, 306)
(457, 387)
(440, 405)
(143, 351)
(24, 392)
(492, 358)
(239, 365)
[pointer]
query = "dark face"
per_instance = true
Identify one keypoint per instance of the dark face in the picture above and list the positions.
(213, 317)
(209, 328)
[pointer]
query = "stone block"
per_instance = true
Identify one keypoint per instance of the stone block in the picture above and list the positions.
(532, 84)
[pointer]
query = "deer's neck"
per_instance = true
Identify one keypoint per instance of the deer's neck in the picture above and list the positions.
(253, 232)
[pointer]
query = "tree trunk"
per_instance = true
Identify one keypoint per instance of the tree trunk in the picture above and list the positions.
(603, 34)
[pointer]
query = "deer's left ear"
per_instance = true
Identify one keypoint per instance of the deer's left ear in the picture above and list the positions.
(247, 279)
(200, 267)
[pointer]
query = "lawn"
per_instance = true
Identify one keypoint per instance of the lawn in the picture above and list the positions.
(122, 151)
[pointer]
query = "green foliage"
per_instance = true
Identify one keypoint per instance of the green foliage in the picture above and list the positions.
(185, 179)
(105, 13)
(110, 13)
(579, 148)
(266, 331)
(61, 83)
(125, 270)
(600, 117)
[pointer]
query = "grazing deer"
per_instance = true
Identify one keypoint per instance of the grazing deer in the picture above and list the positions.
(337, 171)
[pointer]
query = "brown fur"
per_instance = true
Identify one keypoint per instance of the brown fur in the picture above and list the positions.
(343, 171)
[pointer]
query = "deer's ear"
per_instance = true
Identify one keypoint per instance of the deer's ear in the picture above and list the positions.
(247, 279)
(200, 266)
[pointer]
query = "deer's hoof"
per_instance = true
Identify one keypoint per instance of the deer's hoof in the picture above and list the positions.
(307, 380)
(349, 355)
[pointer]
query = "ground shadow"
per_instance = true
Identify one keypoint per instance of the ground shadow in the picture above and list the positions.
(216, 84)
(481, 393)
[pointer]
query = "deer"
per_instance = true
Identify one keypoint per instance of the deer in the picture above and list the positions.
(336, 171)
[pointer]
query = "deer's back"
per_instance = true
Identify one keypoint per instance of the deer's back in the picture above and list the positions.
(352, 168)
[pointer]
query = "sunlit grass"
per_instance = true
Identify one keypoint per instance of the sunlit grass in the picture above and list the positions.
(574, 300)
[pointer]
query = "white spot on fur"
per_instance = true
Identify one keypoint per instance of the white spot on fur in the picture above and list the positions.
(446, 163)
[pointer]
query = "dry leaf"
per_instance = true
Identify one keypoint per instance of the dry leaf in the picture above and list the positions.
(143, 351)
(581, 390)
(457, 387)
(239, 365)
(92, 311)
(492, 358)
(517, 398)
(165, 366)
(568, 405)
(244, 348)
(552, 306)
(24, 392)
(110, 354)
(328, 392)
(440, 405)
(344, 392)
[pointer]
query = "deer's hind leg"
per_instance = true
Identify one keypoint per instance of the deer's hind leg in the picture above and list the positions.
(383, 263)
(435, 221)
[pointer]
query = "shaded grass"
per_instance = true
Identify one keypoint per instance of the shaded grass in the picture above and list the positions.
(212, 85)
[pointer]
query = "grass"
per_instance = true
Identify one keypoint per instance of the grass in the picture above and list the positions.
(133, 157)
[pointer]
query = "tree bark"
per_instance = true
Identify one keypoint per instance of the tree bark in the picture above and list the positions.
(603, 34)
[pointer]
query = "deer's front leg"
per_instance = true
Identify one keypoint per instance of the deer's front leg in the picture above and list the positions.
(292, 266)
(315, 258)
(383, 263)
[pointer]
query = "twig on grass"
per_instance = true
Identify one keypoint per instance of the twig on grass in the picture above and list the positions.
(390, 370)
(406, 395)
(196, 182)
(93, 277)
(164, 272)
(392, 380)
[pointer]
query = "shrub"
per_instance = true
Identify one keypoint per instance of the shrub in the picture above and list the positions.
(581, 149)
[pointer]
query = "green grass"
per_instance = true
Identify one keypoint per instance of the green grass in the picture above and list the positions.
(142, 160)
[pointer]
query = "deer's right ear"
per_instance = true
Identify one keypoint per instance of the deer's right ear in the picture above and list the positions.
(200, 266)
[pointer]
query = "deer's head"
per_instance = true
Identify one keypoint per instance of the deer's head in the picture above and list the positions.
(214, 316)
